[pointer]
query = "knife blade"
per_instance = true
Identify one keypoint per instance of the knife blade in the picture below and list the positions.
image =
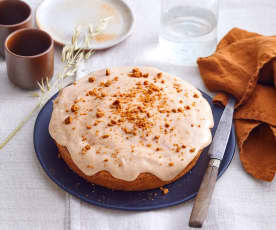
(219, 143)
(216, 153)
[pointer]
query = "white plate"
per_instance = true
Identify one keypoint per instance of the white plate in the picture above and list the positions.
(60, 18)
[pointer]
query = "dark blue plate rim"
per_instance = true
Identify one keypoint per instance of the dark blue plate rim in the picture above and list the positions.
(118, 207)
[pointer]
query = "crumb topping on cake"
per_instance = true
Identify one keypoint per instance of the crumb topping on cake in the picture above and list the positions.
(131, 120)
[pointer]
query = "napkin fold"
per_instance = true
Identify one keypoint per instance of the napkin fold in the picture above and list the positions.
(244, 65)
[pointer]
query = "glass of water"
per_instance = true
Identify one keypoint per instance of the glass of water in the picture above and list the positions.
(188, 29)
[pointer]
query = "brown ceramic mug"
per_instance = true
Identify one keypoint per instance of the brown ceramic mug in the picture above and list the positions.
(14, 15)
(29, 57)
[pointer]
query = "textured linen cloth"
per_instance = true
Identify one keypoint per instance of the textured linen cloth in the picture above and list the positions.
(29, 200)
(244, 66)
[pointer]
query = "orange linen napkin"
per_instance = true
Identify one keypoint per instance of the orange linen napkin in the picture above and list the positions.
(244, 65)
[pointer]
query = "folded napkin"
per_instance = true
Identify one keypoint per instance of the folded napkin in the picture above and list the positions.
(244, 65)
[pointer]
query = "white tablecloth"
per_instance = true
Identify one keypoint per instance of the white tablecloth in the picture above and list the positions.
(29, 200)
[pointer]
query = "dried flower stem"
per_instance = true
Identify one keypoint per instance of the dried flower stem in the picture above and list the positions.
(72, 55)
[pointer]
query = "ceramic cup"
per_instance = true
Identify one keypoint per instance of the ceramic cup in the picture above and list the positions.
(29, 57)
(14, 15)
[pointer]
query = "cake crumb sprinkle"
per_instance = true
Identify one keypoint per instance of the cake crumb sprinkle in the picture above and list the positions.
(68, 120)
(91, 79)
(164, 190)
(105, 136)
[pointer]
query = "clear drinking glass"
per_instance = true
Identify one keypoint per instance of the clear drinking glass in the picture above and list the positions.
(188, 29)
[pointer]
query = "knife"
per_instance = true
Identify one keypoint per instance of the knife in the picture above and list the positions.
(216, 152)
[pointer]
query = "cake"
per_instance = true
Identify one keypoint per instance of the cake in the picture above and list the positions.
(131, 128)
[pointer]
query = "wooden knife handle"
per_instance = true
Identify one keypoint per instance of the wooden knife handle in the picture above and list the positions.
(204, 195)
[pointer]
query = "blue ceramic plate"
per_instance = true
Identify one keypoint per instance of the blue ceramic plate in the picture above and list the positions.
(180, 191)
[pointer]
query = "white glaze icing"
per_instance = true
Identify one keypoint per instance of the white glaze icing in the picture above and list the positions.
(124, 155)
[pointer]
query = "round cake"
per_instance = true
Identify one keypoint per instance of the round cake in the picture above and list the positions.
(131, 128)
